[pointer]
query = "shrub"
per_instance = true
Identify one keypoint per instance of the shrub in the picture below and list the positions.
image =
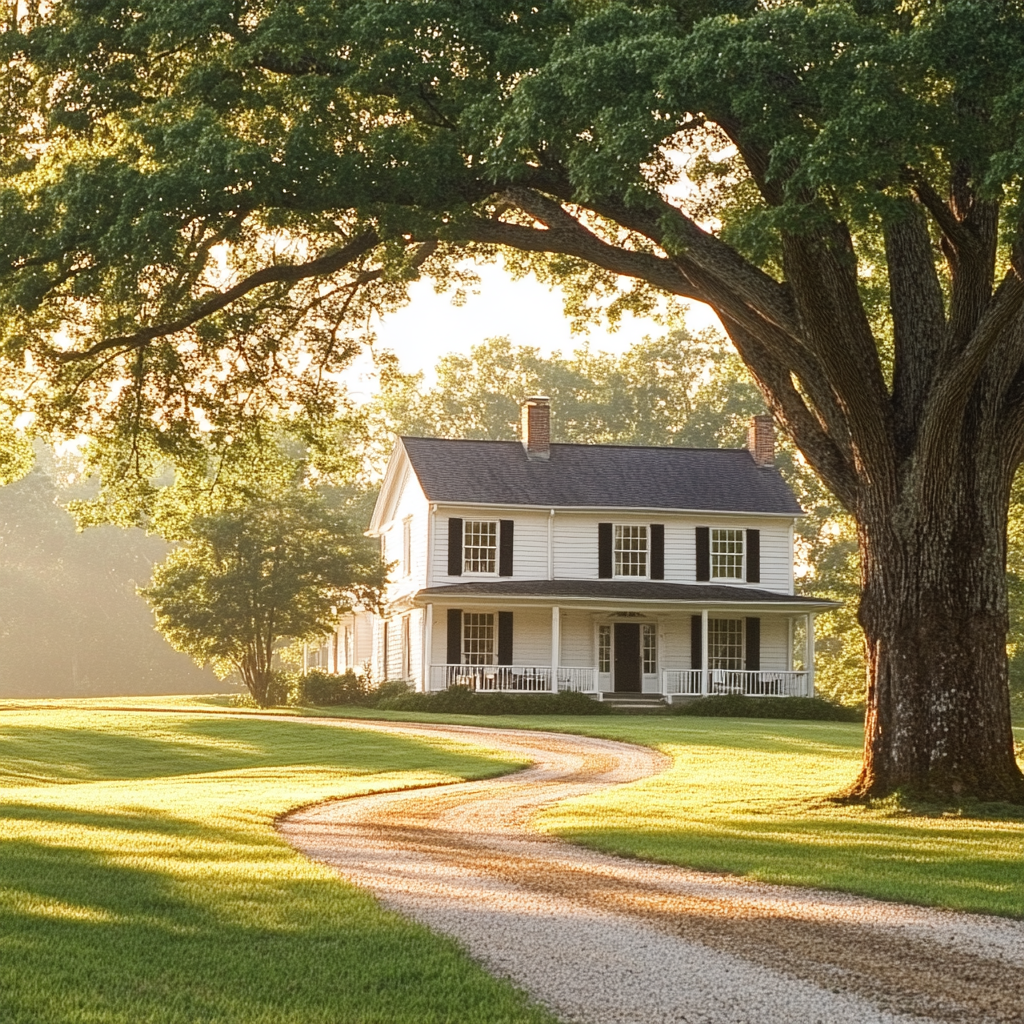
(735, 705)
(390, 688)
(278, 690)
(324, 689)
(461, 700)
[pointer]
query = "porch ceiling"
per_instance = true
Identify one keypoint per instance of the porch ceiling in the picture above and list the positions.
(619, 591)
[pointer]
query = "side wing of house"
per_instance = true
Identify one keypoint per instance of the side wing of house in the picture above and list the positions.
(402, 523)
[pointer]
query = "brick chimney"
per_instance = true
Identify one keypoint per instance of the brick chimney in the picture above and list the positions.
(761, 440)
(535, 428)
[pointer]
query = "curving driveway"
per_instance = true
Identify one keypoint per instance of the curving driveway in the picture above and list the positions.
(604, 940)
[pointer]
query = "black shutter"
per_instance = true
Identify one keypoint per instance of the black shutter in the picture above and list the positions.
(505, 541)
(753, 645)
(753, 556)
(657, 551)
(703, 553)
(504, 638)
(454, 547)
(454, 636)
(604, 551)
(696, 641)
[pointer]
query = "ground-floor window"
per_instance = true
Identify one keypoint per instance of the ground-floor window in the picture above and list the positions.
(604, 648)
(478, 638)
(650, 648)
(406, 649)
(725, 643)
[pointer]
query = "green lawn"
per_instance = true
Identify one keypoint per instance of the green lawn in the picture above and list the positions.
(748, 797)
(141, 881)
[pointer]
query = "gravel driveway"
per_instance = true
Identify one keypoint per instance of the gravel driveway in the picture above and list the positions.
(604, 940)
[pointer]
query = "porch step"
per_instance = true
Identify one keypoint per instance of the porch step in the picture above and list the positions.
(636, 703)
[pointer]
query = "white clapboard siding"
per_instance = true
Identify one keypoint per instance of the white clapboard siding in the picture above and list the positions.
(578, 643)
(531, 634)
(674, 641)
(774, 642)
(529, 549)
(409, 505)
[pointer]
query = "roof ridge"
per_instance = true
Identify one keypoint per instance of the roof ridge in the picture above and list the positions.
(579, 444)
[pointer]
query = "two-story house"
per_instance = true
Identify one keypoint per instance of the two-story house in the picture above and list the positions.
(598, 568)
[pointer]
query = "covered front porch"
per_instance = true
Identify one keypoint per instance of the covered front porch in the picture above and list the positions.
(754, 643)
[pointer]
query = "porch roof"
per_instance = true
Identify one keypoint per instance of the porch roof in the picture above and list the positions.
(618, 591)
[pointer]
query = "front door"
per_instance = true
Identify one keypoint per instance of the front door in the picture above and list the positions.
(627, 658)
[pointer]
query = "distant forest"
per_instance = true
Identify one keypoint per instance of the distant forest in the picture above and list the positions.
(71, 623)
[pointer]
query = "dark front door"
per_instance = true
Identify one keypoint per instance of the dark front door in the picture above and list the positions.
(627, 657)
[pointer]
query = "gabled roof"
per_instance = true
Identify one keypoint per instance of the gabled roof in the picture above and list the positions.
(598, 476)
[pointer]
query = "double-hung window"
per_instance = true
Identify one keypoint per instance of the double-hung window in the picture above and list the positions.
(726, 554)
(725, 643)
(478, 638)
(480, 546)
(629, 550)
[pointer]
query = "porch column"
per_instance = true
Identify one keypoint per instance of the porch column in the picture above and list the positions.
(705, 655)
(428, 647)
(556, 645)
(809, 656)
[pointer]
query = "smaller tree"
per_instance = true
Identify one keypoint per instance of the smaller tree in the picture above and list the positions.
(249, 577)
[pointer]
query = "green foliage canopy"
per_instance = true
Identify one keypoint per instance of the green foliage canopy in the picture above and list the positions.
(250, 576)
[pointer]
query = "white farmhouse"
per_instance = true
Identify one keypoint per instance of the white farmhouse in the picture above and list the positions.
(607, 569)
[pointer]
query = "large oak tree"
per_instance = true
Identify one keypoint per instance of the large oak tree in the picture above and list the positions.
(839, 181)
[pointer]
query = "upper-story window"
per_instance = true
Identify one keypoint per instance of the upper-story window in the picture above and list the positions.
(480, 546)
(726, 554)
(407, 547)
(630, 550)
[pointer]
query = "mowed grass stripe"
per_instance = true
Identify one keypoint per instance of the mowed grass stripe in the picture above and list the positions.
(141, 879)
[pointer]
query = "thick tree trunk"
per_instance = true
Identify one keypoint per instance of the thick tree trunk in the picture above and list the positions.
(934, 612)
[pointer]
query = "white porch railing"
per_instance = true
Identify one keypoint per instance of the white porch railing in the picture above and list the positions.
(697, 682)
(684, 682)
(512, 678)
(581, 680)
(492, 678)
(768, 683)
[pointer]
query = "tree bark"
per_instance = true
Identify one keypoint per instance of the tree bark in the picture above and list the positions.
(934, 612)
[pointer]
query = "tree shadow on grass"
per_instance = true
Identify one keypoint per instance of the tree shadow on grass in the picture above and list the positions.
(967, 868)
(39, 754)
(93, 935)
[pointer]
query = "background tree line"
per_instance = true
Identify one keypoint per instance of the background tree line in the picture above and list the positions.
(72, 623)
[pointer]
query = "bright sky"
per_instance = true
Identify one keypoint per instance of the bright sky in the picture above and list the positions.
(525, 310)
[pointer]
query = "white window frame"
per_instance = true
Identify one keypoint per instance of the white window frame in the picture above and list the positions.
(406, 647)
(649, 646)
(716, 628)
(728, 554)
(645, 533)
(407, 546)
(485, 627)
(604, 648)
(466, 547)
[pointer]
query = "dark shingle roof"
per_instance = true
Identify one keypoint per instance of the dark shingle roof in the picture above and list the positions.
(618, 590)
(598, 475)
